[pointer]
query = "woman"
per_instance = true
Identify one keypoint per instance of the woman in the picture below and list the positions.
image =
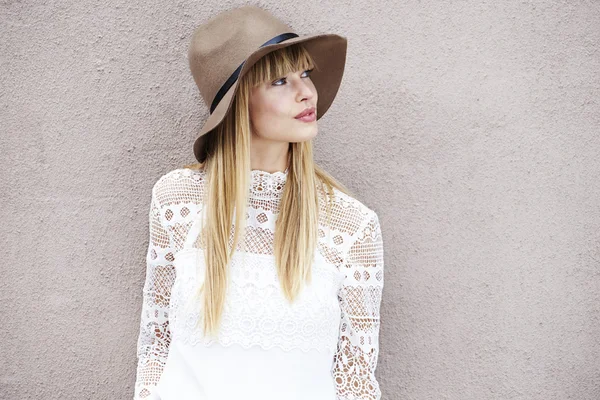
(287, 305)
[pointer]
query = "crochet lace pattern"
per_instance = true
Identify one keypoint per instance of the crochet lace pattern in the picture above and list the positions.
(349, 263)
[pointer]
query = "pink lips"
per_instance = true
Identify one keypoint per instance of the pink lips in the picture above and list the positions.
(308, 115)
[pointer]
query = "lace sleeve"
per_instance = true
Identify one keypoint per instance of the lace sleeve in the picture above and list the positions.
(360, 299)
(154, 336)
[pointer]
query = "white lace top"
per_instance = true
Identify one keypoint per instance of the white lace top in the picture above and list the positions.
(326, 341)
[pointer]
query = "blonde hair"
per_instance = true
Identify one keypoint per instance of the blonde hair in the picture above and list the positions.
(226, 160)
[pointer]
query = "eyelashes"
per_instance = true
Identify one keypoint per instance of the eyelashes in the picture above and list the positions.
(283, 79)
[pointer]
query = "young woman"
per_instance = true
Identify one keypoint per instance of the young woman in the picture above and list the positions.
(264, 274)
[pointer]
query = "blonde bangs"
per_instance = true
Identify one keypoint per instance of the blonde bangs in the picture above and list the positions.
(278, 63)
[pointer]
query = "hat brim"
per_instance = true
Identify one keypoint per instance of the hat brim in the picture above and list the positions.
(329, 53)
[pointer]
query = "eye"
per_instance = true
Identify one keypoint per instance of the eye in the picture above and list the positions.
(283, 79)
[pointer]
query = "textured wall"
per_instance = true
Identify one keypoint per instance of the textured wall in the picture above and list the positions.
(470, 127)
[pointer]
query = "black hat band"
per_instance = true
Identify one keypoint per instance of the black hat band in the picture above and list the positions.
(231, 80)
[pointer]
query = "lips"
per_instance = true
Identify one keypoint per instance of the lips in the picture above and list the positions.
(307, 111)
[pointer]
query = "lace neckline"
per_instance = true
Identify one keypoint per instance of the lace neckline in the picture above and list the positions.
(267, 184)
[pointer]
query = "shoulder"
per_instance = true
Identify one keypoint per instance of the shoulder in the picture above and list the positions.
(355, 211)
(179, 185)
(351, 202)
(349, 217)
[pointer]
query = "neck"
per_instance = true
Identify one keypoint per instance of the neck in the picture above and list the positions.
(269, 156)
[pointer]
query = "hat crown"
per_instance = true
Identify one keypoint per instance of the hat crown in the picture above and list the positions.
(220, 45)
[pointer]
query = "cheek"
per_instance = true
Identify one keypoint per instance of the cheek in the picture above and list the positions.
(268, 115)
(272, 108)
(278, 104)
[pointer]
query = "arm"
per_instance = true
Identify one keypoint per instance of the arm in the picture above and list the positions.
(154, 336)
(360, 299)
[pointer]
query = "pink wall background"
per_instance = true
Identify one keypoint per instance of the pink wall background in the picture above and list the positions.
(472, 128)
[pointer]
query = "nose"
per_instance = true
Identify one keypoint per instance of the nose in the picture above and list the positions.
(305, 90)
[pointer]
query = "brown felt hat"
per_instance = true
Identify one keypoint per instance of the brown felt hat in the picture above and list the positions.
(224, 48)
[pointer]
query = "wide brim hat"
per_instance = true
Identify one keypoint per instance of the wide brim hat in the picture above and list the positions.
(224, 49)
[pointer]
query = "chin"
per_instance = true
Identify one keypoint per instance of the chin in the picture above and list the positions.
(306, 135)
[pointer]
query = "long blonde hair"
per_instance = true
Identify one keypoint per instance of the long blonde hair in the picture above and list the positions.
(226, 160)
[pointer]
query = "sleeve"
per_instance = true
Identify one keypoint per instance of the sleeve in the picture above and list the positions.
(360, 300)
(154, 335)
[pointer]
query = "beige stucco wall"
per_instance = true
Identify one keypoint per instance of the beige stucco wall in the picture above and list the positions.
(472, 128)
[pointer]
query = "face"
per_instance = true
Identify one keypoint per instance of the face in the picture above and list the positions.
(275, 104)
